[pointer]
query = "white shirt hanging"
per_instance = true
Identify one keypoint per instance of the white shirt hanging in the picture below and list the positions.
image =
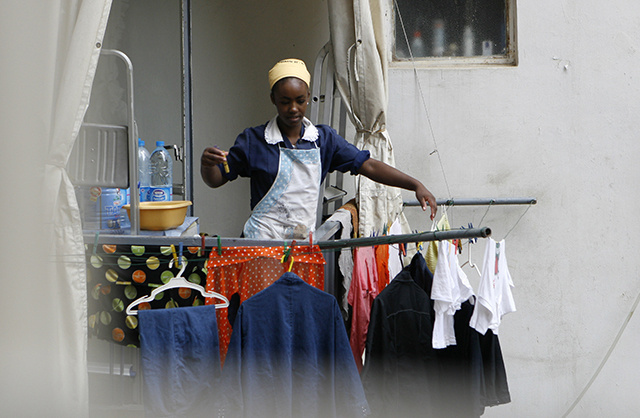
(449, 290)
(494, 293)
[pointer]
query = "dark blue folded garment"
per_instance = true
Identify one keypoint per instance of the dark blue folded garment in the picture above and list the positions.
(180, 360)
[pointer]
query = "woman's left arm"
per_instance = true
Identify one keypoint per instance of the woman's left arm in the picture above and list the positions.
(385, 174)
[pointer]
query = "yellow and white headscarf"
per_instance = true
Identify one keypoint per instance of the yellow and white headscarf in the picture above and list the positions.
(290, 67)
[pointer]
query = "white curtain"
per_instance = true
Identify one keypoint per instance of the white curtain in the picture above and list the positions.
(359, 37)
(49, 55)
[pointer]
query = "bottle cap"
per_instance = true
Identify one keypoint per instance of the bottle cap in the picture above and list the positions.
(140, 142)
(159, 143)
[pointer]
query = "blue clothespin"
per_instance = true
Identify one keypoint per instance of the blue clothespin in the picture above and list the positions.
(471, 240)
(95, 243)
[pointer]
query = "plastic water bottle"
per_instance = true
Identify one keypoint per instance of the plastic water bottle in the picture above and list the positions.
(112, 216)
(418, 48)
(161, 168)
(144, 171)
(438, 38)
(468, 47)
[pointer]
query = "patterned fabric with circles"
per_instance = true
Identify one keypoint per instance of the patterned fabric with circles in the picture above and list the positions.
(117, 275)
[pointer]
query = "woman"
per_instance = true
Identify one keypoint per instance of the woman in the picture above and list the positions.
(287, 159)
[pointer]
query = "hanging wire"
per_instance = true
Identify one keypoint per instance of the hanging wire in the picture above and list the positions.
(606, 357)
(521, 216)
(485, 212)
(424, 104)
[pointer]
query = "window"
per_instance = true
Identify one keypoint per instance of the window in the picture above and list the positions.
(444, 32)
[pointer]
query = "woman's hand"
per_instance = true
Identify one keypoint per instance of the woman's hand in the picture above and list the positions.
(209, 169)
(385, 174)
(424, 196)
(213, 156)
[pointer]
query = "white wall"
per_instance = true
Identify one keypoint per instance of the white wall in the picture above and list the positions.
(561, 126)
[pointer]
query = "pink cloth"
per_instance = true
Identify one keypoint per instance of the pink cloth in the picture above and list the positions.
(363, 290)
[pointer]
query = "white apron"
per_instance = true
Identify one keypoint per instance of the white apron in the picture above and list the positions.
(289, 209)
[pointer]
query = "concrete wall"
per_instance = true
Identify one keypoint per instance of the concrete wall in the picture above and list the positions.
(560, 127)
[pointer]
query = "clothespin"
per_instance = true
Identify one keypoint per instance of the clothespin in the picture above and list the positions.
(175, 256)
(310, 240)
(457, 244)
(95, 243)
(224, 164)
(419, 243)
(287, 251)
(293, 243)
(180, 247)
(471, 240)
(202, 251)
(219, 245)
(284, 260)
(287, 255)
(403, 250)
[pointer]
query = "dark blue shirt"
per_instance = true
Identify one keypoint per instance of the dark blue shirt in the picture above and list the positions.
(251, 156)
(180, 360)
(289, 356)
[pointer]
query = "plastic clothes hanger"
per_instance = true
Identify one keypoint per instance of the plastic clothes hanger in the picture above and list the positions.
(177, 282)
(471, 264)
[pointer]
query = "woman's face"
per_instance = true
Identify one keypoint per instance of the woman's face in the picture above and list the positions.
(291, 97)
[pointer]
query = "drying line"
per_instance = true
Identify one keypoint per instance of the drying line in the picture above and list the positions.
(424, 103)
(605, 359)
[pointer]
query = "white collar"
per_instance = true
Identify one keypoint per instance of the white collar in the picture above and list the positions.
(273, 135)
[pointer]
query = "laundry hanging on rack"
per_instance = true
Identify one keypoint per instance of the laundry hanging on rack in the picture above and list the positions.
(395, 257)
(180, 361)
(431, 255)
(289, 356)
(118, 274)
(449, 290)
(382, 264)
(404, 375)
(363, 290)
(495, 298)
(176, 282)
(347, 216)
(400, 372)
(244, 271)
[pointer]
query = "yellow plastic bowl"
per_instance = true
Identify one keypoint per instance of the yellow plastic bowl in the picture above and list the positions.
(159, 216)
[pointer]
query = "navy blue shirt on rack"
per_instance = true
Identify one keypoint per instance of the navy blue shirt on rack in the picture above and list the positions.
(289, 356)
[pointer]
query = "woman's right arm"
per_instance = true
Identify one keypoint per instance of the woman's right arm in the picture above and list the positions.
(209, 169)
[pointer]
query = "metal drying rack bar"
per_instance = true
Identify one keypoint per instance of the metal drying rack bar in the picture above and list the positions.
(479, 201)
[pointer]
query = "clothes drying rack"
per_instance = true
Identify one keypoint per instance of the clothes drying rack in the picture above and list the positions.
(322, 237)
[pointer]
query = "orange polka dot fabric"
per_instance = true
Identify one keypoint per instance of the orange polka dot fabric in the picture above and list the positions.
(248, 270)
